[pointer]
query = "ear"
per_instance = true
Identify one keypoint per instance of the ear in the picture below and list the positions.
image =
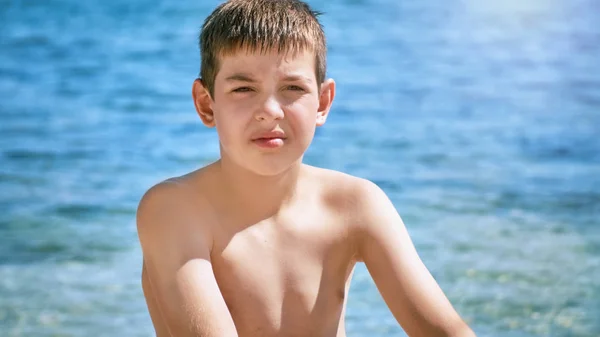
(325, 99)
(203, 103)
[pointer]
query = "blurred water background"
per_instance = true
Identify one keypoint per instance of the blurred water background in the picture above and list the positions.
(480, 119)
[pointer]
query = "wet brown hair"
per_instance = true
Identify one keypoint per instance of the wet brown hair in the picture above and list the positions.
(288, 26)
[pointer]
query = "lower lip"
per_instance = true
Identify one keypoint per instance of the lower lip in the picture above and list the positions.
(269, 143)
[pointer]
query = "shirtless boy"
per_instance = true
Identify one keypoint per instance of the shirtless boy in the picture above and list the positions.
(258, 243)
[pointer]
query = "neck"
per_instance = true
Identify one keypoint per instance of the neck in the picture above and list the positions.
(262, 196)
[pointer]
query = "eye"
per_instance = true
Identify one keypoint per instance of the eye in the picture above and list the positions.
(294, 88)
(242, 89)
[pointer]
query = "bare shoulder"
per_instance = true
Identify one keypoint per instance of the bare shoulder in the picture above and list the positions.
(364, 207)
(175, 207)
(348, 194)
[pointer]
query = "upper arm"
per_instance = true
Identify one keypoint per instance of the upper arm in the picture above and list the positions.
(176, 247)
(409, 290)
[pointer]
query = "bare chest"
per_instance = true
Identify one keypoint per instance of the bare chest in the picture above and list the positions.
(285, 279)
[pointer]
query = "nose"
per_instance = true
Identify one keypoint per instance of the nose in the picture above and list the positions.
(269, 110)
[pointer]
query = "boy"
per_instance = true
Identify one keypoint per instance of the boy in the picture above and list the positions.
(257, 243)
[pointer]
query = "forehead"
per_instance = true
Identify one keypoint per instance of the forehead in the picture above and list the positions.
(268, 63)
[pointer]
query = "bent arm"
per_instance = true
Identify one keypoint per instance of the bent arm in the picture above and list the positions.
(410, 291)
(176, 249)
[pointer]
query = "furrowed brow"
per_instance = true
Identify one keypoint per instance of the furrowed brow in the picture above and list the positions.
(297, 78)
(240, 77)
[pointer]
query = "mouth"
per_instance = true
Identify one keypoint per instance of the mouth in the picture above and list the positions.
(275, 134)
(270, 140)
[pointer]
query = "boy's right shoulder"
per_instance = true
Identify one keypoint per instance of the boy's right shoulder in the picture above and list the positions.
(180, 190)
(175, 205)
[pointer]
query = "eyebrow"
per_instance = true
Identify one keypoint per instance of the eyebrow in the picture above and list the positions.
(295, 78)
(243, 77)
(240, 77)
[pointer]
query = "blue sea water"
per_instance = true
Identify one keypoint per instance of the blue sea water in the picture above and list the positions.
(480, 119)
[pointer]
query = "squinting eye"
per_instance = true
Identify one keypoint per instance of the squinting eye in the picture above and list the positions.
(242, 89)
(295, 88)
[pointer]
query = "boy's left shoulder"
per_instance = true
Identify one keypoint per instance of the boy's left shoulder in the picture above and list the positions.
(346, 192)
(360, 205)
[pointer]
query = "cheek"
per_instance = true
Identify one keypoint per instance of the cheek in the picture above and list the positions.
(302, 117)
(305, 111)
(229, 122)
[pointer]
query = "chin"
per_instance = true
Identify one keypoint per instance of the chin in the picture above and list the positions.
(269, 164)
(272, 167)
(266, 164)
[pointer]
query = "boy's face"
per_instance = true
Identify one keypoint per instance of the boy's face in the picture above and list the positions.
(265, 108)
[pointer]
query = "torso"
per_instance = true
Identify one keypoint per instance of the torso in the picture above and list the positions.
(287, 275)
